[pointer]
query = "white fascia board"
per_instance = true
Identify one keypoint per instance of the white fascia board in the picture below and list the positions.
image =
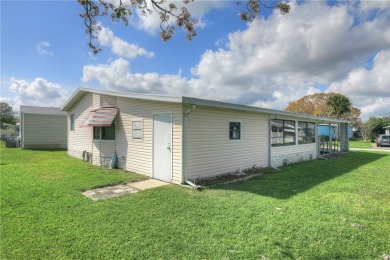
(195, 101)
(70, 102)
(81, 91)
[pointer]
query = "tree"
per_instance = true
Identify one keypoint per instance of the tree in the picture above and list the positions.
(353, 114)
(330, 104)
(7, 115)
(123, 10)
(339, 105)
(365, 128)
(310, 104)
(371, 128)
(378, 124)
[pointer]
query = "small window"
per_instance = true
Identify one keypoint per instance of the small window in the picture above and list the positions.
(71, 117)
(138, 129)
(104, 132)
(306, 133)
(234, 130)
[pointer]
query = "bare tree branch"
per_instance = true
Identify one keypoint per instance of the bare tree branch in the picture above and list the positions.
(166, 10)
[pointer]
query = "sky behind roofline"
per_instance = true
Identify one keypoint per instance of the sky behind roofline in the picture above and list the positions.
(319, 47)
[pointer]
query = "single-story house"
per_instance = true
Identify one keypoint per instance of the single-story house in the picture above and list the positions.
(387, 130)
(176, 139)
(7, 130)
(42, 127)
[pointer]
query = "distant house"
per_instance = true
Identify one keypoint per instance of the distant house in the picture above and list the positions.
(7, 130)
(387, 130)
(323, 130)
(176, 139)
(42, 127)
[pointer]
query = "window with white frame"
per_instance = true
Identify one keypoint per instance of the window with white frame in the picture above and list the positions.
(306, 132)
(234, 130)
(138, 129)
(282, 132)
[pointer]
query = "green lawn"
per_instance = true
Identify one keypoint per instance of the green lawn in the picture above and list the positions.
(323, 209)
(359, 143)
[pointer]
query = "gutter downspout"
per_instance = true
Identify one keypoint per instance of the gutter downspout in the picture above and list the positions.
(330, 140)
(270, 141)
(22, 132)
(317, 138)
(185, 123)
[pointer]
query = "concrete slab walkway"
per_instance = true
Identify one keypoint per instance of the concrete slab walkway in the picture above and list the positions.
(148, 184)
(123, 189)
(375, 149)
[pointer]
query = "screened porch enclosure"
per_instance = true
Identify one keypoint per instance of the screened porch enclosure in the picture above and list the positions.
(333, 138)
(330, 138)
(289, 132)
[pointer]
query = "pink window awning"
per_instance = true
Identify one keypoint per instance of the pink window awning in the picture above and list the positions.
(102, 116)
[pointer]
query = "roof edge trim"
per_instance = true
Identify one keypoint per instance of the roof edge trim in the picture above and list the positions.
(226, 105)
(80, 91)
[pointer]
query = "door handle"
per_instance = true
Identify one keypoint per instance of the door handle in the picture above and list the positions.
(169, 146)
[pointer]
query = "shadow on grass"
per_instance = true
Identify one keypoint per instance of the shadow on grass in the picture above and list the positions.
(297, 178)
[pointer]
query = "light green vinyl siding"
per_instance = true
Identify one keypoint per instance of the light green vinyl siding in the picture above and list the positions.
(80, 139)
(209, 150)
(44, 131)
(107, 101)
(138, 152)
(135, 153)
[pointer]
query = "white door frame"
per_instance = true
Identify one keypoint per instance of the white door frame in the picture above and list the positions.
(171, 164)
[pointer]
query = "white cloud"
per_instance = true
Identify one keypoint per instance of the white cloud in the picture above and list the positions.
(369, 87)
(120, 47)
(379, 5)
(116, 75)
(43, 47)
(277, 60)
(8, 100)
(39, 92)
(282, 58)
(314, 40)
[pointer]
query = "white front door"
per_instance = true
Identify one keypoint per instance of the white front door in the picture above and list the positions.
(162, 147)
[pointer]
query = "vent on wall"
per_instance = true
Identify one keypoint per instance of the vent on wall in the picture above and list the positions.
(284, 161)
(311, 156)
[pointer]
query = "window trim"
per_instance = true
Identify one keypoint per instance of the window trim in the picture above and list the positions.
(234, 121)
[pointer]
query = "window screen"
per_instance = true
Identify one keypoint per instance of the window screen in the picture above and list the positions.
(138, 129)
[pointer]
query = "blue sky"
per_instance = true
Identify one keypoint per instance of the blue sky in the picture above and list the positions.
(319, 47)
